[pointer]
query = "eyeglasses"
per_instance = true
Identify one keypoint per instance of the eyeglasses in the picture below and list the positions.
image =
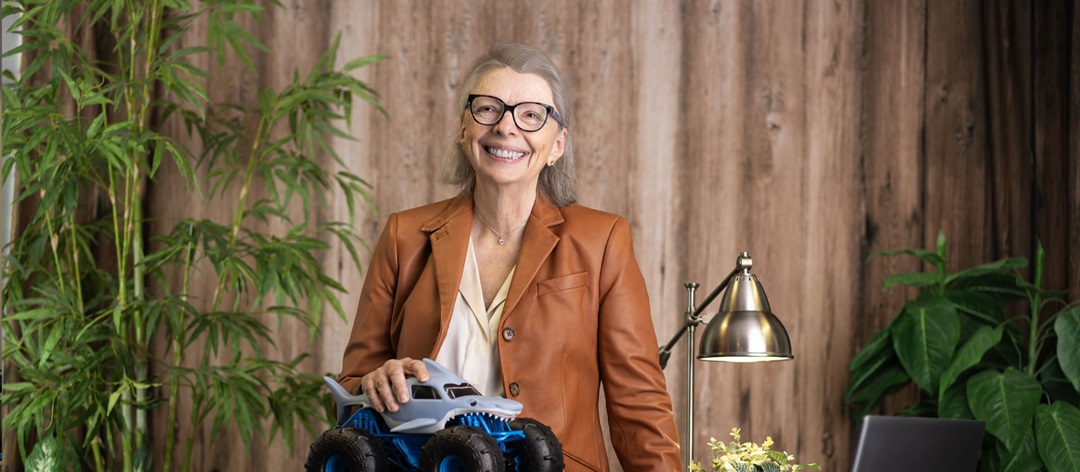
(528, 116)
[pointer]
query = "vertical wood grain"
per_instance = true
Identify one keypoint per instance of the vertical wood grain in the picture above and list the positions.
(893, 162)
(1008, 81)
(956, 132)
(834, 224)
(1073, 158)
(1051, 56)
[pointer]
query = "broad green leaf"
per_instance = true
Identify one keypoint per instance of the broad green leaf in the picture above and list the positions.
(1001, 266)
(732, 466)
(1024, 459)
(953, 403)
(769, 467)
(1057, 433)
(872, 350)
(980, 305)
(940, 246)
(45, 457)
(872, 392)
(915, 279)
(1006, 401)
(870, 372)
(1067, 328)
(927, 256)
(924, 336)
(969, 355)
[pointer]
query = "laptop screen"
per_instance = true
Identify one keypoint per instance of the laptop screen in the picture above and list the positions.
(903, 444)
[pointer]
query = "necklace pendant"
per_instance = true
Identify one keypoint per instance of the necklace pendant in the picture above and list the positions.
(502, 241)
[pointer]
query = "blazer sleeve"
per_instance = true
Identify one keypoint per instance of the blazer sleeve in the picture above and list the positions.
(640, 416)
(371, 344)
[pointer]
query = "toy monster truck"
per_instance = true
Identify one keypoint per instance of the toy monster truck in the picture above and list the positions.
(446, 426)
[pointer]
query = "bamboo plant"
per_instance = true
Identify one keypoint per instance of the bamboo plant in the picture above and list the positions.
(103, 325)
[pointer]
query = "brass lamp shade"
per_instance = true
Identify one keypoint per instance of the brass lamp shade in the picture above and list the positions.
(745, 330)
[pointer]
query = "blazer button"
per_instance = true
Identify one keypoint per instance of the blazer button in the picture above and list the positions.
(508, 334)
(515, 389)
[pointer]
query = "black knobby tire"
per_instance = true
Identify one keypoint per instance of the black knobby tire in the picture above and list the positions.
(461, 448)
(540, 451)
(346, 449)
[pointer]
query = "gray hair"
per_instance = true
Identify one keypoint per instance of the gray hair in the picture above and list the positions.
(557, 183)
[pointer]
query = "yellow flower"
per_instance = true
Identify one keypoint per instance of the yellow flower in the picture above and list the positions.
(737, 455)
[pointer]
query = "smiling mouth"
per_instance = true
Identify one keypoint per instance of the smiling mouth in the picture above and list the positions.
(504, 154)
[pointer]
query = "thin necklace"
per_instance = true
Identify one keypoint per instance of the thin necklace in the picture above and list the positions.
(502, 239)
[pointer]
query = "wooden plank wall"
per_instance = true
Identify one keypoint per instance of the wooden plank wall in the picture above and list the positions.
(809, 133)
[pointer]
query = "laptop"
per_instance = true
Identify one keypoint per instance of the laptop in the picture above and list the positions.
(904, 444)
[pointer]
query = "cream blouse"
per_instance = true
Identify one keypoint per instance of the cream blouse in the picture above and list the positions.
(471, 347)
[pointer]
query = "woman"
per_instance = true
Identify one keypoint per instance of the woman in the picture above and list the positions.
(514, 287)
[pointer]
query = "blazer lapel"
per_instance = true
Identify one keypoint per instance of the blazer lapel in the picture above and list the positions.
(449, 238)
(537, 245)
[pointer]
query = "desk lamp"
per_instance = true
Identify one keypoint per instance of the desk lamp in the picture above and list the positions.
(744, 330)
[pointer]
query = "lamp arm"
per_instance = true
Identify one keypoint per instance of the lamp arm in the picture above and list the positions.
(693, 318)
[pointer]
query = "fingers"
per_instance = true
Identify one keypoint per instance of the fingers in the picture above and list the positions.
(370, 385)
(386, 387)
(416, 368)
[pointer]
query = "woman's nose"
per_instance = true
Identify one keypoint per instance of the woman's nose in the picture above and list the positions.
(506, 125)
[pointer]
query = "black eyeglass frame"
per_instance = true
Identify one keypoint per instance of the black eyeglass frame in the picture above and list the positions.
(551, 113)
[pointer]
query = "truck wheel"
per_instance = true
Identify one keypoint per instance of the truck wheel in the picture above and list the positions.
(461, 449)
(346, 450)
(541, 451)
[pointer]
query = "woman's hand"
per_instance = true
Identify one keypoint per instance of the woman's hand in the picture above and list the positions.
(386, 387)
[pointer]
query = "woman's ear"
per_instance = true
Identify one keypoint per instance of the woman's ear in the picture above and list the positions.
(559, 148)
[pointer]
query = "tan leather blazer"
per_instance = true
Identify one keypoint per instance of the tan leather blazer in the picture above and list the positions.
(576, 316)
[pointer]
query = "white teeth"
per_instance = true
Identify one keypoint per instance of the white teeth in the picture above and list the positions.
(504, 154)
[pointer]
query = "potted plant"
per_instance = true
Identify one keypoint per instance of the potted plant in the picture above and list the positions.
(962, 342)
(102, 323)
(738, 456)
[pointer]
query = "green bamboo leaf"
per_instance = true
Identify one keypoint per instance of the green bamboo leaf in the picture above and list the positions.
(117, 317)
(233, 8)
(114, 397)
(35, 66)
(157, 155)
(363, 61)
(18, 387)
(925, 335)
(49, 348)
(969, 355)
(1067, 328)
(34, 314)
(1006, 401)
(27, 46)
(1057, 433)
